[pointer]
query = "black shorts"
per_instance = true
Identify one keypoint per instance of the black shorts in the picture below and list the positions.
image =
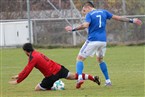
(48, 82)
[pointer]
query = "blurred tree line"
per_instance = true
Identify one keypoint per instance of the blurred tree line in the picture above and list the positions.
(132, 7)
(36, 5)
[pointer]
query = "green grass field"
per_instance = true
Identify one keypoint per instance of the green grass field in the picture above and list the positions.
(125, 65)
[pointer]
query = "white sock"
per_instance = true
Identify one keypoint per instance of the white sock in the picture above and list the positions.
(108, 81)
(86, 76)
(80, 77)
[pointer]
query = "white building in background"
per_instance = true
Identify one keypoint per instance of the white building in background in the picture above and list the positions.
(14, 33)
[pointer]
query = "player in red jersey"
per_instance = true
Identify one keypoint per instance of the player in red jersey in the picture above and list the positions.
(51, 70)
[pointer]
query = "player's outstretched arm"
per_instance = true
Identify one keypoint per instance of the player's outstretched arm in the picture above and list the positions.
(125, 19)
(80, 27)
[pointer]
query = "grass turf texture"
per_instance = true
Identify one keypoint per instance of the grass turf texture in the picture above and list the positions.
(125, 65)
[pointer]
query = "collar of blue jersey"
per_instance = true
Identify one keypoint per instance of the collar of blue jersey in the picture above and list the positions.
(93, 9)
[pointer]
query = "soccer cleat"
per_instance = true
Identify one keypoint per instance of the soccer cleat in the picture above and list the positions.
(108, 84)
(79, 83)
(97, 80)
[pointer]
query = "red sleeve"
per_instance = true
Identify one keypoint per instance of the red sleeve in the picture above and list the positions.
(26, 71)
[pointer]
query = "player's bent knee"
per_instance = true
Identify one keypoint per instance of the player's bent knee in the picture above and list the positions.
(38, 88)
(80, 58)
(71, 76)
(99, 59)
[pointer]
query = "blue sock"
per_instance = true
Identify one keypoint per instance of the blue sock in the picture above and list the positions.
(104, 70)
(79, 67)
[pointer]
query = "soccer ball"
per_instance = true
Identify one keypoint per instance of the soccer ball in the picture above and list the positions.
(58, 85)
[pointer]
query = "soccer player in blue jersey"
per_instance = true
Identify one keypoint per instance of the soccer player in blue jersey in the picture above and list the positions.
(95, 21)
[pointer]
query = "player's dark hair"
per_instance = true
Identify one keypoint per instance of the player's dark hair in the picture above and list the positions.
(89, 3)
(28, 47)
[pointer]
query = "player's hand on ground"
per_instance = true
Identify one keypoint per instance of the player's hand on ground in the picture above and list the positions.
(15, 77)
(137, 21)
(13, 82)
(68, 28)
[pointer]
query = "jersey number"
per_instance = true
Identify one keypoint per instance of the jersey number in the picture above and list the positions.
(100, 23)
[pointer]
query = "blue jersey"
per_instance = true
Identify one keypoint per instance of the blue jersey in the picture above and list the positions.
(97, 27)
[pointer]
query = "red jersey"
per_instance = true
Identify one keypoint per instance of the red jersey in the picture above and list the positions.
(45, 65)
